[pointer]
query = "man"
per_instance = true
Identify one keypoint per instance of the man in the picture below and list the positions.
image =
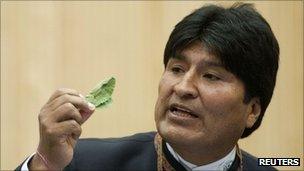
(220, 73)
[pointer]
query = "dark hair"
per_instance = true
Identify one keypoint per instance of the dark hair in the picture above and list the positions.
(244, 42)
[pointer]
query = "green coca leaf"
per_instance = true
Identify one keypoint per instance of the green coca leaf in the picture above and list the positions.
(101, 95)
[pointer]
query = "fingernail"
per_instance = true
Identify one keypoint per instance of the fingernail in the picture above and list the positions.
(81, 96)
(91, 106)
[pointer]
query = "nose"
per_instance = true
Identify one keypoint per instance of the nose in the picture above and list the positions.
(186, 88)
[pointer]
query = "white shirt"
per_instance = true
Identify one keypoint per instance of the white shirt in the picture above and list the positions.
(221, 164)
(25, 164)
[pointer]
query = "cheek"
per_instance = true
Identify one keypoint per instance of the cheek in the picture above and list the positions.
(224, 101)
(164, 92)
(165, 87)
(225, 113)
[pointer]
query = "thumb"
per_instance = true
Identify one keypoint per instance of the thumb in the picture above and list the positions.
(85, 114)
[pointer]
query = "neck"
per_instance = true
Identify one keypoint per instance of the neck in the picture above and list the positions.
(202, 156)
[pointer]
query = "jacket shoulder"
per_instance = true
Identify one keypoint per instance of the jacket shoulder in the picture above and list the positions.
(134, 152)
(250, 162)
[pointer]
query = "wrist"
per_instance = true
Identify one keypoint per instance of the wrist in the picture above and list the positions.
(37, 164)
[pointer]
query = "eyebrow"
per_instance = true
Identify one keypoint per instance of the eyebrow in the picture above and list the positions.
(202, 63)
(179, 57)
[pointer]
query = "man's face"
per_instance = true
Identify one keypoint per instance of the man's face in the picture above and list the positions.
(200, 104)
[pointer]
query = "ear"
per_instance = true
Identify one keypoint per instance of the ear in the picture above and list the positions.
(254, 111)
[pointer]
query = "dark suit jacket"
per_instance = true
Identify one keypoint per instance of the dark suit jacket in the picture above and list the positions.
(132, 153)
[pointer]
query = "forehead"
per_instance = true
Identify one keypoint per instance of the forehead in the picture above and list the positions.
(196, 53)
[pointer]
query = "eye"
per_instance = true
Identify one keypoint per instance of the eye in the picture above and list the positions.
(177, 70)
(211, 77)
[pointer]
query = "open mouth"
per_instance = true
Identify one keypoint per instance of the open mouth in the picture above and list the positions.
(181, 111)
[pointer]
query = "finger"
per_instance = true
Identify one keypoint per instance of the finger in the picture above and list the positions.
(68, 127)
(62, 91)
(67, 111)
(77, 101)
(86, 114)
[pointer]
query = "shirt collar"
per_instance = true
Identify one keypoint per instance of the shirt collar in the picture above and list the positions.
(221, 164)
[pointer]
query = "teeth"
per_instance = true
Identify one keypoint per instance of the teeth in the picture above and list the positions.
(181, 112)
(179, 109)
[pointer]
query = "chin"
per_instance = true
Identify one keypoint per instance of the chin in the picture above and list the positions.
(177, 135)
